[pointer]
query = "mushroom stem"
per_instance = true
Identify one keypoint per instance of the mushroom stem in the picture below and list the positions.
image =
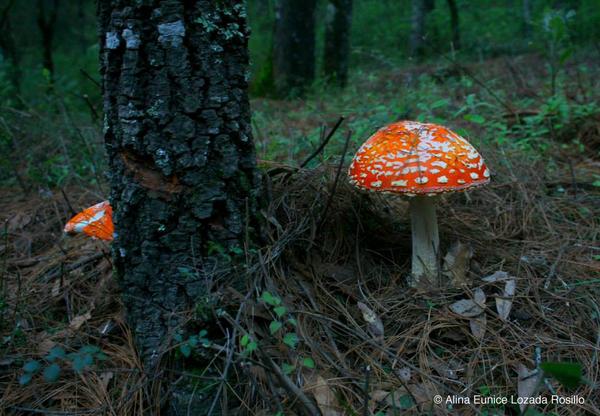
(425, 240)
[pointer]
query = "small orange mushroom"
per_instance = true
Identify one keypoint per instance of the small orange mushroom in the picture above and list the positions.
(95, 221)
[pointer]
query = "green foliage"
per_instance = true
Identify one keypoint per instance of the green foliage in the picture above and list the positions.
(569, 375)
(188, 345)
(53, 363)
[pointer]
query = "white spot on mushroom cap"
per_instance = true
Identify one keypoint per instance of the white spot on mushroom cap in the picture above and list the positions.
(376, 184)
(399, 183)
(422, 179)
(442, 179)
(474, 175)
(439, 163)
(486, 173)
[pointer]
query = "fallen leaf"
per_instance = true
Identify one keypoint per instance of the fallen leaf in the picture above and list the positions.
(527, 383)
(325, 398)
(105, 378)
(79, 320)
(466, 308)
(496, 277)
(456, 264)
(479, 297)
(377, 396)
(375, 325)
(478, 326)
(404, 399)
(18, 222)
(504, 302)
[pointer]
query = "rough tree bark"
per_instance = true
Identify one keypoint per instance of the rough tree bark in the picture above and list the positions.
(294, 46)
(183, 169)
(420, 10)
(454, 24)
(8, 47)
(46, 21)
(336, 53)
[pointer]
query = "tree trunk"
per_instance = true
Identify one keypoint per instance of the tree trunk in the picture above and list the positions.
(420, 8)
(8, 48)
(46, 21)
(454, 24)
(336, 54)
(527, 25)
(294, 46)
(183, 169)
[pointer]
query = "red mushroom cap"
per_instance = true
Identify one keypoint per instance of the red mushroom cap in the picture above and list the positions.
(95, 221)
(412, 158)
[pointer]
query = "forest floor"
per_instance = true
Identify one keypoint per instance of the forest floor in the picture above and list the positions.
(327, 308)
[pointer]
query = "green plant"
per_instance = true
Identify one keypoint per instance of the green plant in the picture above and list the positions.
(555, 25)
(187, 346)
(569, 374)
(51, 367)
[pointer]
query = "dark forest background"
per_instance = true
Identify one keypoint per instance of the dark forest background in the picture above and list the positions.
(49, 66)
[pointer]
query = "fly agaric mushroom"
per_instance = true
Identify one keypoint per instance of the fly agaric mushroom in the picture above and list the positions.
(95, 221)
(418, 160)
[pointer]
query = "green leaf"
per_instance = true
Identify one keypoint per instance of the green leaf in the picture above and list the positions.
(406, 402)
(474, 118)
(308, 362)
(244, 341)
(280, 311)
(31, 366)
(186, 350)
(440, 103)
(287, 368)
(78, 364)
(88, 360)
(269, 299)
(252, 346)
(52, 372)
(203, 333)
(290, 339)
(56, 352)
(568, 374)
(25, 379)
(89, 349)
(193, 341)
(274, 327)
(292, 321)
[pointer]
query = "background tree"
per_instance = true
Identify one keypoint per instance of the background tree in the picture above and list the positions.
(454, 24)
(8, 47)
(420, 10)
(294, 46)
(526, 7)
(181, 155)
(336, 51)
(46, 20)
